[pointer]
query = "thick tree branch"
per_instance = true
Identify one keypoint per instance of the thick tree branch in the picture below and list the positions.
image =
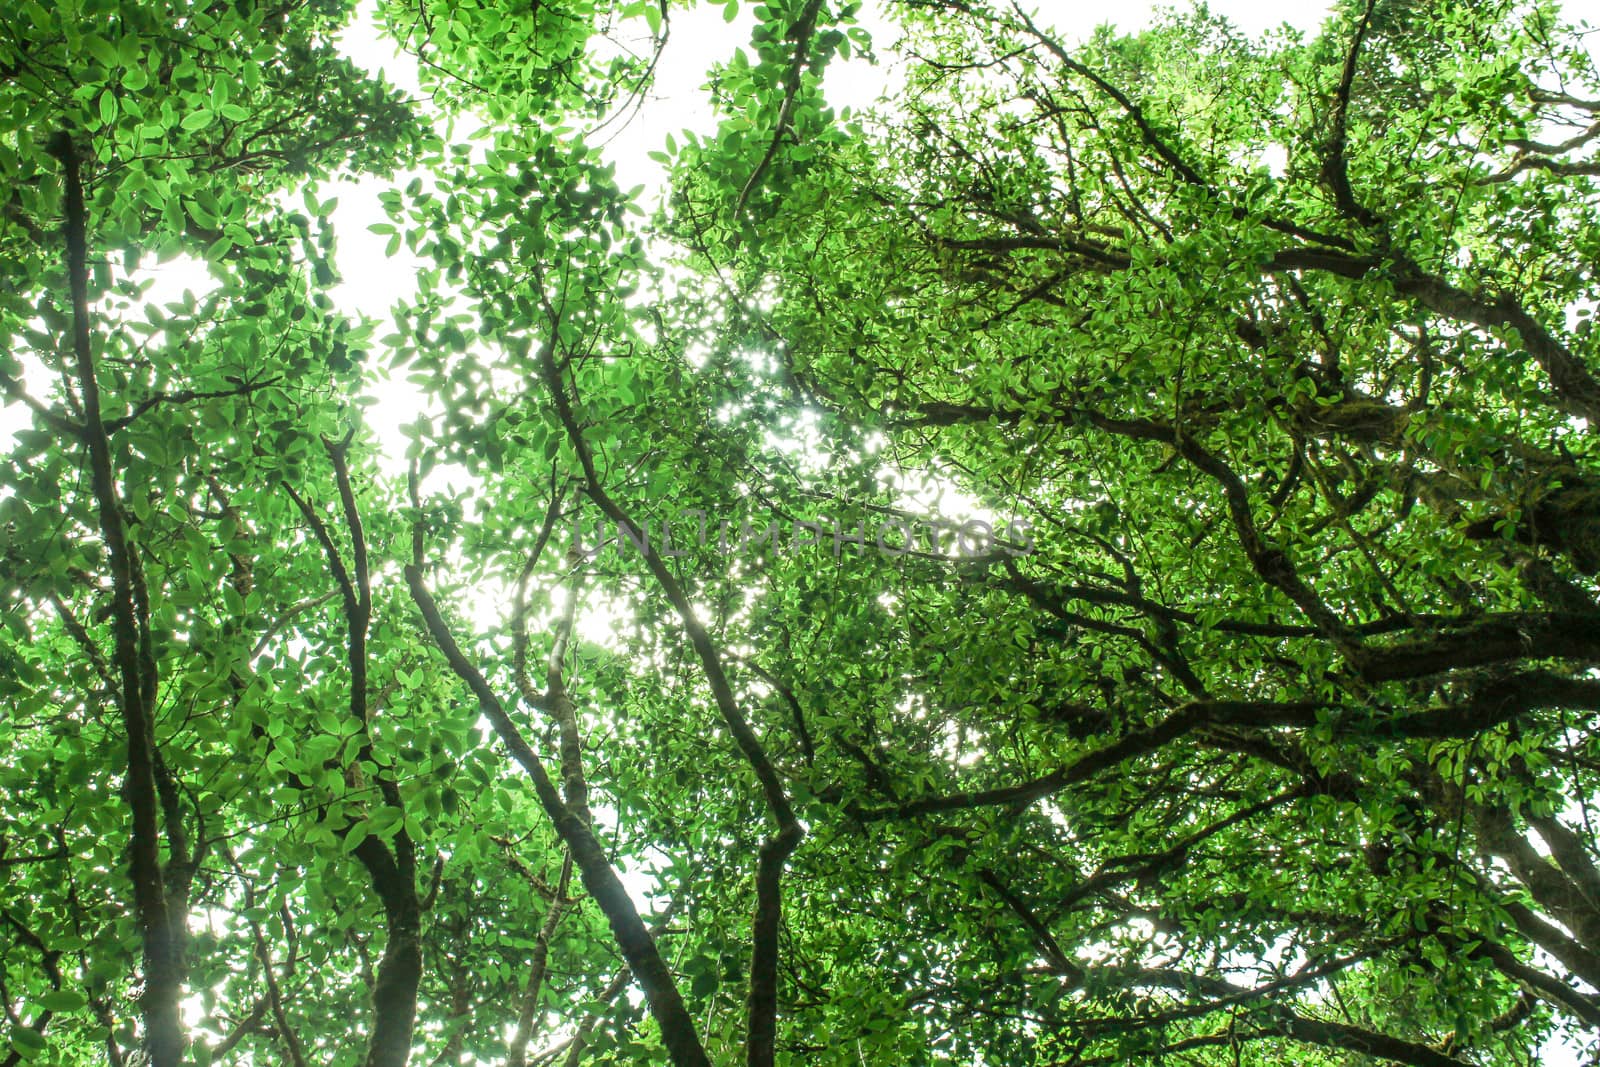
(599, 878)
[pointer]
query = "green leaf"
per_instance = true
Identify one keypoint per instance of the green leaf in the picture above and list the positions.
(102, 50)
(27, 1043)
(62, 1000)
(353, 838)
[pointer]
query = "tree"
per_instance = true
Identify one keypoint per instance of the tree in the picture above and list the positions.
(1302, 661)
(1250, 725)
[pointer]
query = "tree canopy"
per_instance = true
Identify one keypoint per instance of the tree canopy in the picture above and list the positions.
(1089, 559)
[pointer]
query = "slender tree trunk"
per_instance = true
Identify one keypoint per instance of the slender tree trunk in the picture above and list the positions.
(160, 919)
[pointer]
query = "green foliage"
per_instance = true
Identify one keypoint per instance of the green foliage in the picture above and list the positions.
(1261, 735)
